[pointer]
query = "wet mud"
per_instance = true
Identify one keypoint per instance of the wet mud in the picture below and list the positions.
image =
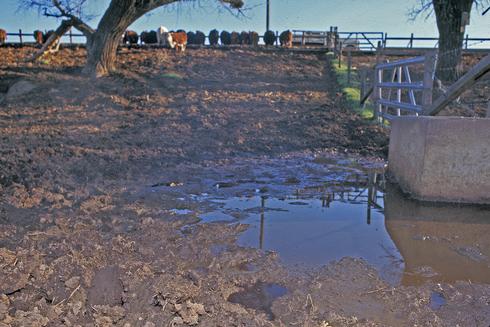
(105, 188)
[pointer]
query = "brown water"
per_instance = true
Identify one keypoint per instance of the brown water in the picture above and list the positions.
(408, 242)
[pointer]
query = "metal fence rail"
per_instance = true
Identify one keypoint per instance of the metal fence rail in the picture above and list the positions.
(400, 80)
(354, 41)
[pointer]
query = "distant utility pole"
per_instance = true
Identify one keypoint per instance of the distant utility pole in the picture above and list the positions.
(268, 15)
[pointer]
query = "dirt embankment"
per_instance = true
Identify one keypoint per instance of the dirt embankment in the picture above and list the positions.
(84, 240)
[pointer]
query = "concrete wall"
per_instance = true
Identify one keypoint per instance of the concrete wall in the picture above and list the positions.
(442, 158)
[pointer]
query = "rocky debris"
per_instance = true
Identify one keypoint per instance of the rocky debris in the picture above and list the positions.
(29, 319)
(189, 313)
(105, 315)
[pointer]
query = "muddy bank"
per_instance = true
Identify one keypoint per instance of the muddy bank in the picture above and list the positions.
(103, 183)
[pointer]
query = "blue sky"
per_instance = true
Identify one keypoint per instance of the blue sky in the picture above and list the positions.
(388, 16)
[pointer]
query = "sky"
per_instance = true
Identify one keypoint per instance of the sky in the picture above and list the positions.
(388, 16)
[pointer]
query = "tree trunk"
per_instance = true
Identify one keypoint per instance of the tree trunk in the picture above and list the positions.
(101, 54)
(102, 47)
(449, 17)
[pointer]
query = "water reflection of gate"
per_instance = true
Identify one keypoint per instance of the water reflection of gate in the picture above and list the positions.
(370, 193)
(437, 243)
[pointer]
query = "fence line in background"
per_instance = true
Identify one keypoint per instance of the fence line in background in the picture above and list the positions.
(356, 41)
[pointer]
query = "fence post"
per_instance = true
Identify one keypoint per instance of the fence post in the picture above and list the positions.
(466, 41)
(411, 41)
(340, 54)
(385, 40)
(429, 69)
(349, 66)
(71, 36)
(362, 74)
(20, 37)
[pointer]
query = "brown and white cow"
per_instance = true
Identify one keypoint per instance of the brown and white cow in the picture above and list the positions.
(162, 36)
(177, 40)
(3, 36)
(130, 37)
(38, 37)
(286, 39)
(254, 38)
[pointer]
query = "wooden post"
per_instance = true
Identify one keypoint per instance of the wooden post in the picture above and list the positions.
(349, 66)
(362, 76)
(71, 36)
(385, 40)
(20, 37)
(411, 41)
(466, 41)
(429, 69)
(379, 53)
(340, 54)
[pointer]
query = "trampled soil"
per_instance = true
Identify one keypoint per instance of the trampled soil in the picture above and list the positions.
(97, 226)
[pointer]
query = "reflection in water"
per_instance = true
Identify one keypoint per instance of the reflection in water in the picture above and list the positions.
(407, 241)
(439, 243)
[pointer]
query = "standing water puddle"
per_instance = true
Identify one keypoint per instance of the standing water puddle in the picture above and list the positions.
(406, 241)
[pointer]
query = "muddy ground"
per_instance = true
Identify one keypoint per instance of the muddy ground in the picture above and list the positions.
(94, 173)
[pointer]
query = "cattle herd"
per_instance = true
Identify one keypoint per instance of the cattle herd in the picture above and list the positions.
(180, 39)
(39, 37)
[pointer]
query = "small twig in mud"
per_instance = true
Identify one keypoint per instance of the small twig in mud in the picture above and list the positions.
(375, 291)
(36, 233)
(59, 303)
(74, 291)
(164, 306)
(71, 295)
(383, 289)
(94, 309)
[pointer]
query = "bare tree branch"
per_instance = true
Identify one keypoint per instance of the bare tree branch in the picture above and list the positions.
(52, 43)
(425, 7)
